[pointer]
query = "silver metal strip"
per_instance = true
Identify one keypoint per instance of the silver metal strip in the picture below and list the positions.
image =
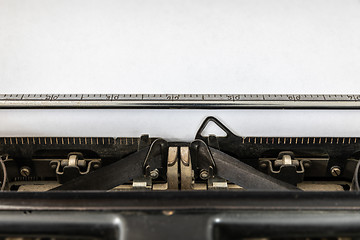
(194, 101)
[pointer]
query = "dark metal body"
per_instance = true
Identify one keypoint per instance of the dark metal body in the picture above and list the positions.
(180, 214)
(339, 151)
(249, 149)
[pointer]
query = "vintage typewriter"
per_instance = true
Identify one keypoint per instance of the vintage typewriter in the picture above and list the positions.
(214, 187)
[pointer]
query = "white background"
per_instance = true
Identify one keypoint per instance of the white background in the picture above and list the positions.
(179, 46)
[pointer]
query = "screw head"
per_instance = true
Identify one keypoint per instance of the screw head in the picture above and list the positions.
(263, 165)
(25, 171)
(204, 174)
(307, 164)
(154, 174)
(53, 165)
(96, 165)
(168, 212)
(335, 171)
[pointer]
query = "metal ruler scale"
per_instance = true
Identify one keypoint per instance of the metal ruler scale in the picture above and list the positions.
(181, 101)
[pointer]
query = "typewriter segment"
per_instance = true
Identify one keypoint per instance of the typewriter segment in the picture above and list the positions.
(224, 163)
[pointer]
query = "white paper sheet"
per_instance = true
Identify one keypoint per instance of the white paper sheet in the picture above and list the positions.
(179, 46)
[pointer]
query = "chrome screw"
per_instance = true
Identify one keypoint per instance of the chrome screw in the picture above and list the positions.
(204, 174)
(25, 171)
(263, 165)
(96, 165)
(335, 171)
(154, 174)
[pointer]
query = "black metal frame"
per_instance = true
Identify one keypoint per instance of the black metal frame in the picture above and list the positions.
(179, 200)
(180, 214)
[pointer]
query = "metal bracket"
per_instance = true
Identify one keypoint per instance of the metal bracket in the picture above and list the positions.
(186, 172)
(74, 166)
(218, 123)
(155, 164)
(202, 160)
(173, 169)
(285, 167)
(217, 183)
